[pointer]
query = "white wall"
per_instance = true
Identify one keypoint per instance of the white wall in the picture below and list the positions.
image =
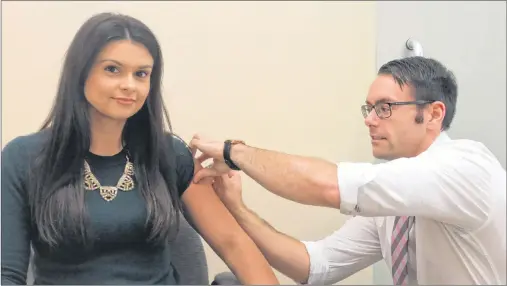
(467, 37)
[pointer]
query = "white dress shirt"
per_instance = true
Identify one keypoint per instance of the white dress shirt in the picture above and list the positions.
(457, 192)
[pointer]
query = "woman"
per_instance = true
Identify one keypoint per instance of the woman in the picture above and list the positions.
(98, 190)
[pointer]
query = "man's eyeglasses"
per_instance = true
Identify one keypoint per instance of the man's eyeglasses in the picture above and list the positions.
(384, 110)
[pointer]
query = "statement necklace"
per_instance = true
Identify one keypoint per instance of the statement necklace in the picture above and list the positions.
(108, 193)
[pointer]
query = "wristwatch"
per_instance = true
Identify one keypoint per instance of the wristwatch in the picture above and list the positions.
(227, 153)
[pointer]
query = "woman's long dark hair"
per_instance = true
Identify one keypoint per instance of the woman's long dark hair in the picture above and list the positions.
(57, 200)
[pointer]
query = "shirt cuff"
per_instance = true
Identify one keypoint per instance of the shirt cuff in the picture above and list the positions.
(351, 176)
(319, 266)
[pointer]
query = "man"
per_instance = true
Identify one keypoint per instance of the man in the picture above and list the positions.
(435, 211)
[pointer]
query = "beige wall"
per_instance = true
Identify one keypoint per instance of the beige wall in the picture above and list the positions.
(287, 76)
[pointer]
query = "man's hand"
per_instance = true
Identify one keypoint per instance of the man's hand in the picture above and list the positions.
(210, 149)
(228, 189)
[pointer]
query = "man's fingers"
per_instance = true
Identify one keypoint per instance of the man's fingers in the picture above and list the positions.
(195, 145)
(218, 183)
(203, 157)
(207, 181)
(205, 173)
(194, 142)
(193, 148)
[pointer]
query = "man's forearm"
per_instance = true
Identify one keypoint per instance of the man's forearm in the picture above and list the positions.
(301, 179)
(284, 253)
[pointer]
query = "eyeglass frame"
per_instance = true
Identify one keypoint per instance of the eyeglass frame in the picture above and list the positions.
(364, 108)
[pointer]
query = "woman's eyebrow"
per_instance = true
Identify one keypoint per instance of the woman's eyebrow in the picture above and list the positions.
(120, 64)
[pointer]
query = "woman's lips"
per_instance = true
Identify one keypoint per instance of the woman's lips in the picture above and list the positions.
(124, 101)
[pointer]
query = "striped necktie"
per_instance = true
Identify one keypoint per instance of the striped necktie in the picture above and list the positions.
(399, 249)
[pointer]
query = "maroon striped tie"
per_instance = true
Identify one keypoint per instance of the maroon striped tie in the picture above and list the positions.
(399, 249)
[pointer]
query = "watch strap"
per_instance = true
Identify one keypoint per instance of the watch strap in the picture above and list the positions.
(227, 153)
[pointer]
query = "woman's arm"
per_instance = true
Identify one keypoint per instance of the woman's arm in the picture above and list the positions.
(216, 225)
(221, 231)
(15, 216)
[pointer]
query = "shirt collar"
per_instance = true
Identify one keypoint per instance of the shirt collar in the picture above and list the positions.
(442, 138)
